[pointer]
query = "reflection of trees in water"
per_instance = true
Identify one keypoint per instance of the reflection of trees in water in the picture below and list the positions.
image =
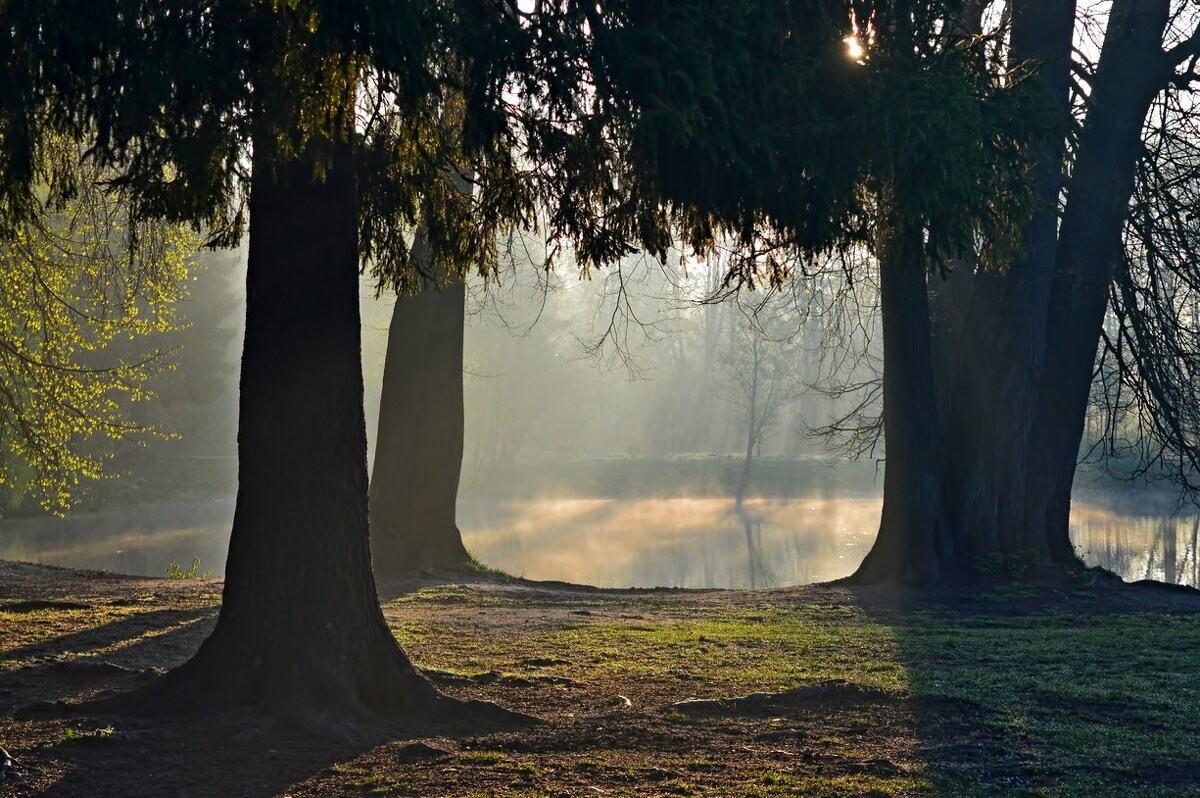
(1187, 569)
(699, 543)
(1195, 551)
(1164, 562)
(705, 543)
(760, 576)
(1163, 548)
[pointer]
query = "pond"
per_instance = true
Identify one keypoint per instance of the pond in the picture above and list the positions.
(689, 542)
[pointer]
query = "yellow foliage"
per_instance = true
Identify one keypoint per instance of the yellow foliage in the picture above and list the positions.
(80, 288)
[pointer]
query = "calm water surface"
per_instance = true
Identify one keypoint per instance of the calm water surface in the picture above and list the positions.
(613, 542)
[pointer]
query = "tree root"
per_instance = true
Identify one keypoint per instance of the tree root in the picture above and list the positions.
(316, 701)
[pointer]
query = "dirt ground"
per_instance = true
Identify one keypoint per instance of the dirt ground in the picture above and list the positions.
(1048, 690)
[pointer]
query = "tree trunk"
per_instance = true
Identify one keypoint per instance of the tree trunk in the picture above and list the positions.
(419, 448)
(1132, 70)
(912, 545)
(1014, 387)
(989, 392)
(753, 427)
(300, 634)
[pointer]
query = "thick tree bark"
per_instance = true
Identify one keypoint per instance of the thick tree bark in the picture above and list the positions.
(912, 545)
(1014, 370)
(1132, 69)
(990, 387)
(301, 635)
(419, 447)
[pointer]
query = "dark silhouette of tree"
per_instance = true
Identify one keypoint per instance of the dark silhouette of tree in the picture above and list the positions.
(419, 445)
(988, 369)
(1015, 347)
(323, 123)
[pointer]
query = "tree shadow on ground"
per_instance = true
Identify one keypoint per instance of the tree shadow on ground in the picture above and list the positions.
(1038, 688)
(115, 655)
(221, 757)
(101, 752)
(118, 633)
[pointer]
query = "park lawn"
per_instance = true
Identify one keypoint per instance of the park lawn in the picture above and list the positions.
(1063, 688)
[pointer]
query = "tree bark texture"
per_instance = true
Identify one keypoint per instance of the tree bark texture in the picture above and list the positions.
(1014, 351)
(419, 447)
(912, 545)
(990, 388)
(301, 636)
(1132, 70)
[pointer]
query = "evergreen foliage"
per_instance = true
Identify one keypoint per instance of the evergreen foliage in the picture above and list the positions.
(610, 127)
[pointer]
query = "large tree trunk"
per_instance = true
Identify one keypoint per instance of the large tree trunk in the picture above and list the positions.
(985, 337)
(1132, 70)
(300, 633)
(912, 545)
(419, 448)
(989, 389)
(1014, 371)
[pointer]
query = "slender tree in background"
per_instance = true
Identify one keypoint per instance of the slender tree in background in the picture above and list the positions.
(761, 368)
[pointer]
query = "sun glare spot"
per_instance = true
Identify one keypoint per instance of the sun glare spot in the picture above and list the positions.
(854, 49)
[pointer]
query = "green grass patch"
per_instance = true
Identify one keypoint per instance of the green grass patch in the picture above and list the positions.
(1032, 703)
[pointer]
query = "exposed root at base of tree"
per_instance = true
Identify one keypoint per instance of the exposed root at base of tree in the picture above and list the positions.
(970, 582)
(315, 701)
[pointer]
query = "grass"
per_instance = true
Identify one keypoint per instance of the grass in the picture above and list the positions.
(753, 649)
(1091, 700)
(1022, 693)
(1058, 703)
(177, 571)
(72, 735)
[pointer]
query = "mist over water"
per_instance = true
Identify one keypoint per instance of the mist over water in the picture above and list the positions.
(605, 438)
(679, 542)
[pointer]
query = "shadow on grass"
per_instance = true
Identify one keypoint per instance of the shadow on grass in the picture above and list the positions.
(115, 655)
(1034, 691)
(215, 758)
(117, 633)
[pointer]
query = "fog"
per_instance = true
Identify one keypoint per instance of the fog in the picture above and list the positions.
(607, 422)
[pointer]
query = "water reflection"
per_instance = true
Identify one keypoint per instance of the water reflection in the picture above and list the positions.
(672, 542)
(140, 540)
(706, 543)
(1138, 546)
(702, 543)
